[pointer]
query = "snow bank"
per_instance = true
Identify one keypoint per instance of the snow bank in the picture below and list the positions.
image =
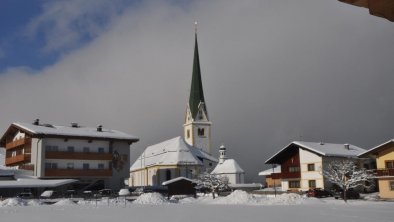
(13, 202)
(284, 199)
(151, 198)
(34, 202)
(237, 197)
(242, 197)
(65, 202)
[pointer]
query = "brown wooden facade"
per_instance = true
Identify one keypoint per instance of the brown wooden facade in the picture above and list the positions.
(18, 152)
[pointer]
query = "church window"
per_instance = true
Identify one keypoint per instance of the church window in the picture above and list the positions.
(201, 132)
(188, 133)
(168, 174)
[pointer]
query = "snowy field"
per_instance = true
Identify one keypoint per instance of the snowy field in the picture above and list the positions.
(238, 206)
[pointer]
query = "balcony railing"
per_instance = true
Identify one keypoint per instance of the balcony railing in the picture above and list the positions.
(18, 143)
(77, 155)
(18, 159)
(385, 172)
(286, 175)
(26, 167)
(78, 173)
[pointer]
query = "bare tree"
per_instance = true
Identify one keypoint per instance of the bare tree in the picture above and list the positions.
(211, 182)
(346, 175)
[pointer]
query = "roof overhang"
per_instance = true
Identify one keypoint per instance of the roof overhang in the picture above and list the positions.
(377, 149)
(34, 134)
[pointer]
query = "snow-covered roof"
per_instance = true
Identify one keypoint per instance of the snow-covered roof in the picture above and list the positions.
(33, 182)
(270, 171)
(165, 183)
(79, 131)
(376, 148)
(174, 151)
(324, 149)
(229, 166)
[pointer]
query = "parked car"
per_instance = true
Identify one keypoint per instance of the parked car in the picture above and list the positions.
(107, 193)
(350, 194)
(318, 193)
(124, 192)
(70, 193)
(25, 195)
(49, 194)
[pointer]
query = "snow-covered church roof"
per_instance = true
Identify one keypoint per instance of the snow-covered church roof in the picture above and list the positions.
(174, 151)
(229, 166)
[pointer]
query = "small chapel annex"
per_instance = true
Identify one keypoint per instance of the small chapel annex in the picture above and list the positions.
(182, 156)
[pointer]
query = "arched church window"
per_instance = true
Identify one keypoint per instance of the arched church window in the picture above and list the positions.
(201, 132)
(188, 134)
(168, 174)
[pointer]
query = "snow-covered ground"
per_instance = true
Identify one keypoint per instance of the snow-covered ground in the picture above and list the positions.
(238, 206)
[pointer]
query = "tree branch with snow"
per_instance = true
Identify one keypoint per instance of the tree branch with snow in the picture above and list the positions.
(211, 182)
(346, 174)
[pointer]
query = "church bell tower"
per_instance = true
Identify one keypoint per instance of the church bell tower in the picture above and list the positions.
(197, 127)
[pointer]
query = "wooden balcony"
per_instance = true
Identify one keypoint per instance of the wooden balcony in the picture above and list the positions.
(77, 155)
(78, 173)
(286, 175)
(18, 143)
(27, 167)
(18, 159)
(385, 172)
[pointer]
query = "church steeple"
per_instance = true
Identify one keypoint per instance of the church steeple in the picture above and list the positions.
(196, 90)
(197, 127)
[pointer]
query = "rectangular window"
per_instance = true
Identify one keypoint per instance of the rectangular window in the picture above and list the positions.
(312, 183)
(70, 166)
(86, 150)
(389, 164)
(294, 184)
(50, 165)
(70, 149)
(100, 166)
(101, 150)
(391, 183)
(293, 169)
(311, 167)
(85, 166)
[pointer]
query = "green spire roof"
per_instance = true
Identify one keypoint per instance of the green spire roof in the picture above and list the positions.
(196, 91)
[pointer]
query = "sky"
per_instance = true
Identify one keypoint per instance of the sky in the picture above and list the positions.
(272, 71)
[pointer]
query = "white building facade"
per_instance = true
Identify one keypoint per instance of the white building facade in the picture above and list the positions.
(302, 163)
(229, 168)
(95, 156)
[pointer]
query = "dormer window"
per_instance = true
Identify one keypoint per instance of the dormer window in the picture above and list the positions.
(201, 132)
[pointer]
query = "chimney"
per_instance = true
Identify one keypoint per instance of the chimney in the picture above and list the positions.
(36, 122)
(347, 146)
(74, 125)
(99, 128)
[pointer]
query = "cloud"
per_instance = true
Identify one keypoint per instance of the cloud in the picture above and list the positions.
(272, 71)
(65, 24)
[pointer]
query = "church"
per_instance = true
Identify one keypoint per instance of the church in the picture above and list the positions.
(183, 156)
